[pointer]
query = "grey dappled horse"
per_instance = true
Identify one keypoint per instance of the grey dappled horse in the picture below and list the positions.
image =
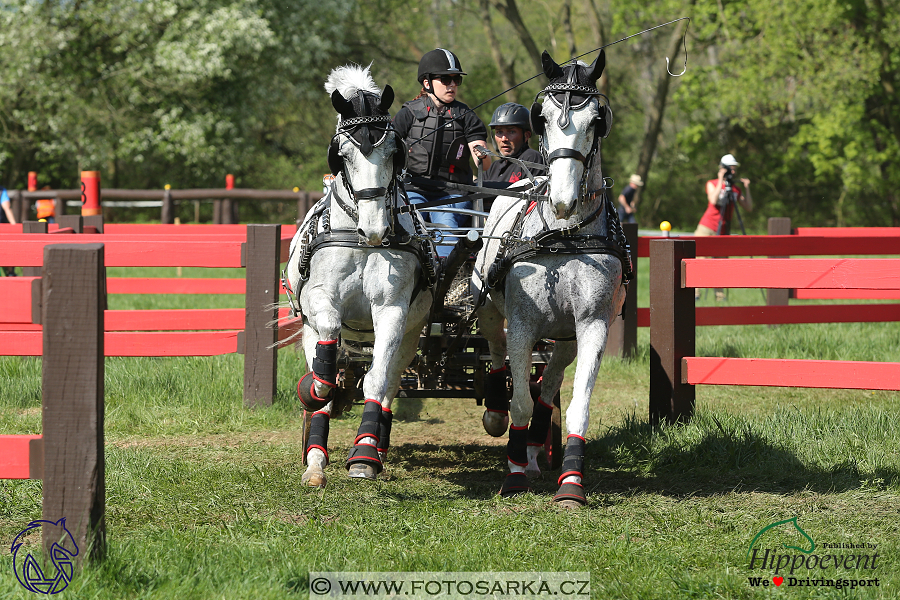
(557, 275)
(359, 273)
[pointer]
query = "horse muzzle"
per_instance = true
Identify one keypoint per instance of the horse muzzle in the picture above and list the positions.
(563, 210)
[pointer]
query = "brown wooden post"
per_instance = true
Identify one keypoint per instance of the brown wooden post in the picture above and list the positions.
(95, 221)
(302, 202)
(672, 322)
(61, 207)
(76, 222)
(622, 339)
(33, 227)
(217, 212)
(74, 298)
(168, 207)
(778, 226)
(261, 257)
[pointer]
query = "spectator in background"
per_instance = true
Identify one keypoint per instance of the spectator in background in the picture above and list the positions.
(46, 208)
(722, 197)
(627, 205)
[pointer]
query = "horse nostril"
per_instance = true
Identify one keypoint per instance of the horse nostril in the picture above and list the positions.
(362, 233)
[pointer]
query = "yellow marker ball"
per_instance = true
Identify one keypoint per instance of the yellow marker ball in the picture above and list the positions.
(296, 189)
(168, 187)
(665, 226)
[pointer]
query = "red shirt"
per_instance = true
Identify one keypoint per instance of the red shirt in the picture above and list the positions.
(711, 217)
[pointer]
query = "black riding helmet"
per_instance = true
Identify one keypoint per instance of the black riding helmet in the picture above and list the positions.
(439, 62)
(511, 114)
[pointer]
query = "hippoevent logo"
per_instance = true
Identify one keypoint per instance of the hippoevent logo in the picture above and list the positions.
(798, 564)
(28, 570)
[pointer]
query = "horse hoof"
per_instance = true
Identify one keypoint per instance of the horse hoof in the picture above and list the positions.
(515, 484)
(362, 471)
(569, 504)
(315, 479)
(570, 495)
(534, 473)
(495, 423)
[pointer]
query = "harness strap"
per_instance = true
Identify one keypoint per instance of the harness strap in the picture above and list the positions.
(567, 153)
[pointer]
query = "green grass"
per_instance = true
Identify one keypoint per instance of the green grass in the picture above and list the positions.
(204, 497)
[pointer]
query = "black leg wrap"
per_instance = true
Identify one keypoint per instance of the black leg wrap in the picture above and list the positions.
(571, 491)
(573, 460)
(325, 362)
(514, 484)
(371, 418)
(540, 424)
(384, 430)
(517, 447)
(318, 432)
(367, 454)
(307, 393)
(496, 396)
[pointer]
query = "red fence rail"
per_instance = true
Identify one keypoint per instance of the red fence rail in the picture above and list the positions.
(674, 370)
(149, 333)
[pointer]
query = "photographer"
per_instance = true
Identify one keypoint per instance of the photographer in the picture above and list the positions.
(722, 196)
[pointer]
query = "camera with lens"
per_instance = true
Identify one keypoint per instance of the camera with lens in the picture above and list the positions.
(729, 174)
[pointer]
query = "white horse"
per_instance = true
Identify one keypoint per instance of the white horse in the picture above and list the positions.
(557, 275)
(357, 270)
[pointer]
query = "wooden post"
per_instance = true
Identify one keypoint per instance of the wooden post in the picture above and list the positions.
(302, 203)
(33, 227)
(261, 257)
(76, 222)
(18, 205)
(217, 212)
(72, 383)
(168, 207)
(90, 193)
(227, 209)
(95, 221)
(672, 322)
(622, 339)
(778, 226)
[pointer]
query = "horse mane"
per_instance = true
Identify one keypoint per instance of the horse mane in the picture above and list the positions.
(351, 78)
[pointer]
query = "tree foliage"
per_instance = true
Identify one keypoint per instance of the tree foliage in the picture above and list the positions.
(182, 92)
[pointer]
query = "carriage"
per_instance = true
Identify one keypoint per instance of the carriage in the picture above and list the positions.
(385, 317)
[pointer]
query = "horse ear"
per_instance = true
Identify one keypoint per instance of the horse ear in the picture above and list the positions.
(387, 98)
(596, 68)
(551, 69)
(342, 105)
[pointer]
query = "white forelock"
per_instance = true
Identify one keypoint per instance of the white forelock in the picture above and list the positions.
(350, 78)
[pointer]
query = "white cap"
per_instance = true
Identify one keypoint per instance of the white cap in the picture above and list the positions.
(636, 180)
(729, 161)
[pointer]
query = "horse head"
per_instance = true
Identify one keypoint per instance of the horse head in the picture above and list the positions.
(365, 153)
(571, 125)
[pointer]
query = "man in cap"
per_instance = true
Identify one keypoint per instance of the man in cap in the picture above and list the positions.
(722, 195)
(627, 205)
(441, 133)
(511, 126)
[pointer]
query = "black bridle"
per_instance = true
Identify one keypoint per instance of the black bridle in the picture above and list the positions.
(347, 127)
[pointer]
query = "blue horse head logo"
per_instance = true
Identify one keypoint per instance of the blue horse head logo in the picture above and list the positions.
(29, 572)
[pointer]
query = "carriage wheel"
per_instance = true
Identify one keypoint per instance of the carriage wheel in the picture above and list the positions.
(307, 417)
